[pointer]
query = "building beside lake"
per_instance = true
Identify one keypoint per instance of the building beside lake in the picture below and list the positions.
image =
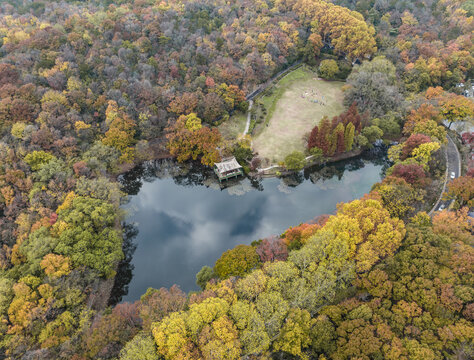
(228, 168)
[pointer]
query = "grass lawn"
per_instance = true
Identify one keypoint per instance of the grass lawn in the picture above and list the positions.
(234, 127)
(290, 111)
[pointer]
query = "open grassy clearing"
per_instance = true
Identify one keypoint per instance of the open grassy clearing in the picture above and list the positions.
(233, 127)
(290, 109)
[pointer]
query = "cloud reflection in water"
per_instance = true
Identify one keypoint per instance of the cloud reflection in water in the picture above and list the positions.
(182, 228)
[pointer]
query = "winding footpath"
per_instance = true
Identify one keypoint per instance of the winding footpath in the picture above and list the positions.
(247, 125)
(262, 87)
(453, 165)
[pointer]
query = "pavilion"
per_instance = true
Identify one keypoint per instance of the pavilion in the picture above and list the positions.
(227, 169)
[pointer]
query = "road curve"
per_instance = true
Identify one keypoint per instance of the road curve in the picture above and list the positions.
(453, 167)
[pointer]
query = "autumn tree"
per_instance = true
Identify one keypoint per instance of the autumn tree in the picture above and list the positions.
(272, 249)
(372, 243)
(295, 237)
(313, 138)
(189, 139)
(237, 261)
(413, 142)
(113, 329)
(461, 190)
(456, 108)
(155, 304)
(422, 113)
(344, 30)
(121, 132)
(413, 174)
(398, 196)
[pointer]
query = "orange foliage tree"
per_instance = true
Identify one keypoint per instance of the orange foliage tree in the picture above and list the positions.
(189, 139)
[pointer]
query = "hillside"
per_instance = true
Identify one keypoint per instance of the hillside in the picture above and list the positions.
(88, 90)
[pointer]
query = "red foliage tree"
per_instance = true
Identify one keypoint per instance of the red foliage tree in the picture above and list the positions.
(156, 304)
(468, 138)
(271, 249)
(8, 74)
(411, 173)
(313, 138)
(324, 133)
(340, 142)
(110, 332)
(184, 104)
(352, 116)
(329, 141)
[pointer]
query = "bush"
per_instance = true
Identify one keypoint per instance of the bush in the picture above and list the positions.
(255, 163)
(295, 160)
(317, 153)
(242, 154)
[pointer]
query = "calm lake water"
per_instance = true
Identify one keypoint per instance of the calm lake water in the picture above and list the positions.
(180, 219)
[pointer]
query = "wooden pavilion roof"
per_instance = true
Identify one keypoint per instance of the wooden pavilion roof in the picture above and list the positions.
(227, 165)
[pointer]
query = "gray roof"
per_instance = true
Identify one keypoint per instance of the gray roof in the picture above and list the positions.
(227, 165)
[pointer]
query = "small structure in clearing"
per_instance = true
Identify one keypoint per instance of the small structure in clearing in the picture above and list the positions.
(227, 169)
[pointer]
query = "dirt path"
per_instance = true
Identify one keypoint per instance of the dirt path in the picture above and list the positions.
(247, 125)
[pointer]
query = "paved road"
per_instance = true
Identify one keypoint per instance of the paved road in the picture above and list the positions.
(453, 171)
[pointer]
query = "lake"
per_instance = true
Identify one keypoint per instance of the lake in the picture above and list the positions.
(180, 218)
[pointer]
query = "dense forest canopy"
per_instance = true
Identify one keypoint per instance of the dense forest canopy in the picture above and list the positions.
(89, 89)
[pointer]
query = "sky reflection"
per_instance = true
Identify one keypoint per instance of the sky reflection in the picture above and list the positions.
(182, 228)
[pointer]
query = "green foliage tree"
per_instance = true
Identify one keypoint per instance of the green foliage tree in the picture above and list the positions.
(349, 136)
(38, 158)
(295, 160)
(372, 133)
(141, 347)
(237, 261)
(203, 276)
(389, 124)
(328, 69)
(87, 233)
(6, 293)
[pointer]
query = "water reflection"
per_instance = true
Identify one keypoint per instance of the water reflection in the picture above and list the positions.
(186, 219)
(125, 267)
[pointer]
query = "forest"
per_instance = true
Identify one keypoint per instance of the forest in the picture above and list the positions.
(89, 89)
